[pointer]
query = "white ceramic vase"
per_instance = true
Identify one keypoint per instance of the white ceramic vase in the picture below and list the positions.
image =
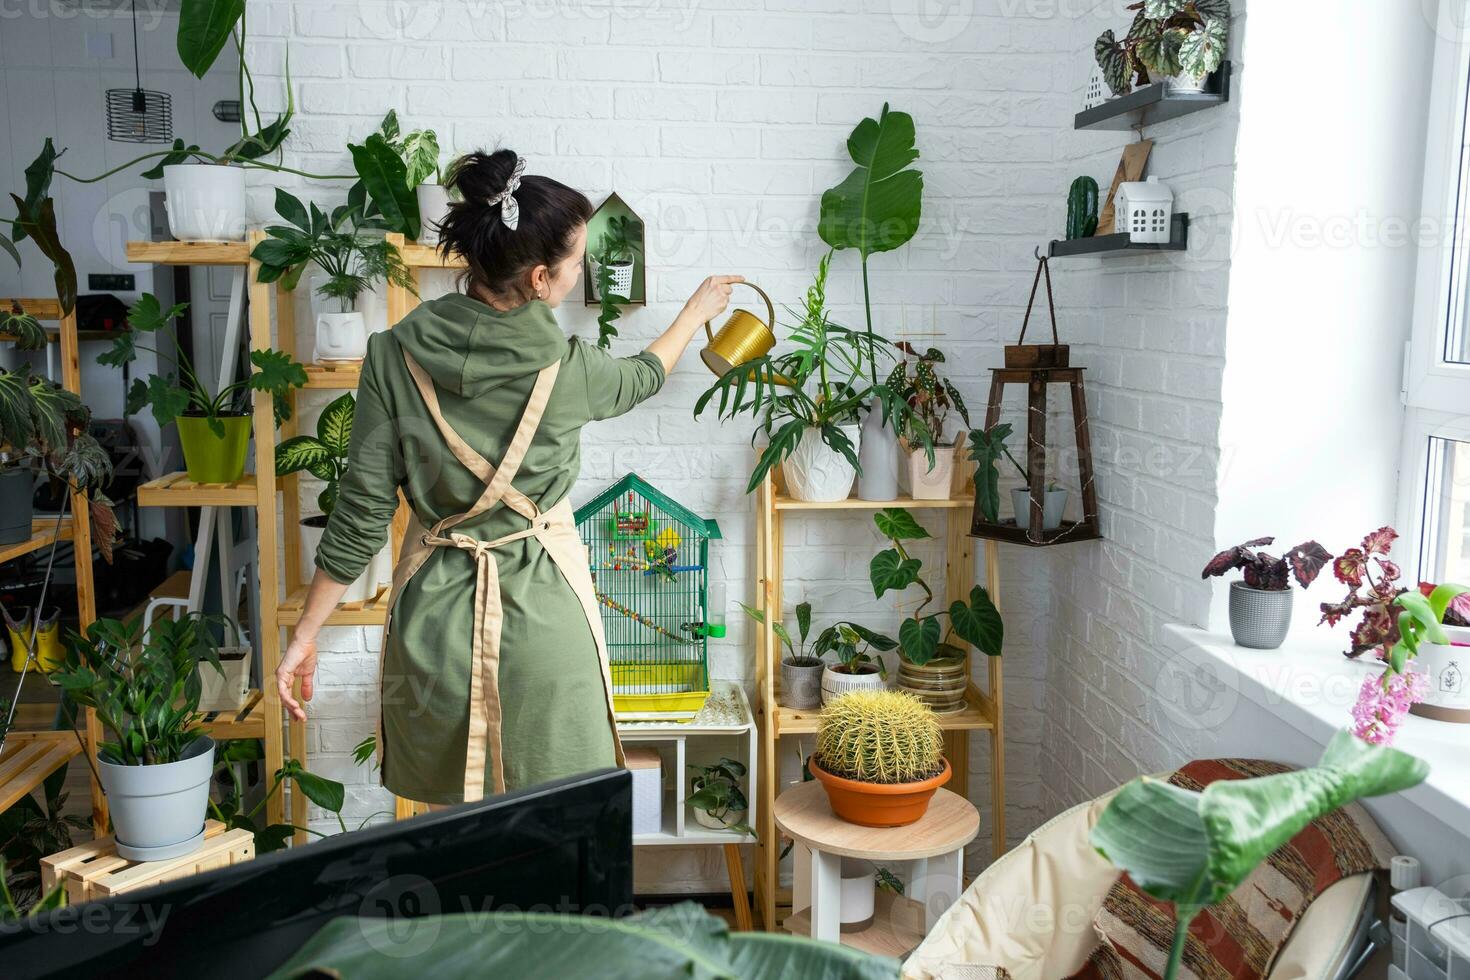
(205, 202)
(1448, 668)
(433, 206)
(815, 471)
(878, 455)
(341, 337)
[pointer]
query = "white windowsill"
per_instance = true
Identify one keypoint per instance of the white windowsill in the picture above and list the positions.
(1312, 687)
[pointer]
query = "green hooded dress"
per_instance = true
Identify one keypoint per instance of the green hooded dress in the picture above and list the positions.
(483, 363)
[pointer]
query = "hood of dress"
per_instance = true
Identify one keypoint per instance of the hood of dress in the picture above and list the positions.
(470, 348)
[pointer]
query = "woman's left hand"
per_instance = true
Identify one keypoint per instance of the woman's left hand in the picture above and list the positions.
(711, 298)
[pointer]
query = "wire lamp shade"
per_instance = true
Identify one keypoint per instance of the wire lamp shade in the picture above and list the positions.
(135, 115)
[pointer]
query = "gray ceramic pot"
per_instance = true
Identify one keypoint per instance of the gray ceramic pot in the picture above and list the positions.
(801, 684)
(1259, 618)
(17, 492)
(158, 811)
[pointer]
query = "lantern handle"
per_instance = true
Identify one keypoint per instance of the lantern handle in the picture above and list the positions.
(1042, 265)
(770, 311)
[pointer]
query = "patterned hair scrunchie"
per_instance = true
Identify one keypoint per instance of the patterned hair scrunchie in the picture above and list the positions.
(510, 211)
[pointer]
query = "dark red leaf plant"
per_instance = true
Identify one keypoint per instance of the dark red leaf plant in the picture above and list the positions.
(1266, 571)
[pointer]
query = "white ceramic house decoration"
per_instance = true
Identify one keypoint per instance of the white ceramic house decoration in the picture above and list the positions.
(1144, 210)
(1095, 94)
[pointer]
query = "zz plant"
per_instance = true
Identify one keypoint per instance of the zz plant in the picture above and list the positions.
(921, 636)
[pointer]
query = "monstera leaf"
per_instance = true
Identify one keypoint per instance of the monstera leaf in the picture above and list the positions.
(1195, 848)
(661, 944)
(277, 372)
(876, 208)
(1113, 60)
(1201, 51)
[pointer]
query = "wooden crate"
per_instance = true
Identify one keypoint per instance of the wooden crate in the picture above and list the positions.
(93, 870)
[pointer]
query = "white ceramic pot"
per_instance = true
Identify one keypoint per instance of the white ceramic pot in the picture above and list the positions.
(378, 573)
(229, 690)
(855, 910)
(1448, 668)
(158, 811)
(372, 303)
(815, 471)
(835, 683)
(205, 202)
(1052, 508)
(931, 483)
(705, 819)
(433, 206)
(878, 454)
(341, 337)
(1185, 84)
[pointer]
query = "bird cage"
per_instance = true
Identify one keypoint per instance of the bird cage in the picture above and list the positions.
(649, 558)
(1144, 209)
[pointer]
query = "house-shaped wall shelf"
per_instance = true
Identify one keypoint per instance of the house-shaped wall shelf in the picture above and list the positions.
(1151, 103)
(611, 223)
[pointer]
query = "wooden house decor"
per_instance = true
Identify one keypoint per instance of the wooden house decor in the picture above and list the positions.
(615, 229)
(1038, 366)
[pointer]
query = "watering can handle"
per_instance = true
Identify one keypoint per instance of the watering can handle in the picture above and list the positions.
(770, 311)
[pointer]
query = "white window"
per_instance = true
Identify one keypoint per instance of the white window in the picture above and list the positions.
(1434, 509)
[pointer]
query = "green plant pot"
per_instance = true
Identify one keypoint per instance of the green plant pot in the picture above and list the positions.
(207, 457)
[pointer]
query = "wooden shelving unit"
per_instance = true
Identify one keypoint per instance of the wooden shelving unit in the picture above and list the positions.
(1152, 103)
(177, 490)
(33, 750)
(1102, 246)
(983, 706)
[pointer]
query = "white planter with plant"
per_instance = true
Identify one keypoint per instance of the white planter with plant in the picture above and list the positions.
(716, 798)
(859, 666)
(1179, 42)
(818, 471)
(154, 763)
(419, 151)
(928, 449)
(987, 446)
(205, 202)
(801, 671)
(613, 259)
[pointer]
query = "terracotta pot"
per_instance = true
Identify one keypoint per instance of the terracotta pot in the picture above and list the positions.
(879, 804)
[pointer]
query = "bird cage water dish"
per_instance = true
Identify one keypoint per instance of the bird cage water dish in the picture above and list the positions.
(649, 558)
(1144, 210)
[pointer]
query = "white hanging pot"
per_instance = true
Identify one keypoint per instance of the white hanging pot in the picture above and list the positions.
(1448, 668)
(433, 207)
(341, 337)
(816, 472)
(158, 811)
(205, 202)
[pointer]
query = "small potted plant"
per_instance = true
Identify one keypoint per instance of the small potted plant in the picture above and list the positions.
(856, 669)
(716, 798)
(987, 446)
(214, 430)
(617, 251)
(1175, 41)
(879, 756)
(930, 472)
(1260, 604)
(324, 456)
(801, 672)
(930, 667)
(419, 151)
(155, 761)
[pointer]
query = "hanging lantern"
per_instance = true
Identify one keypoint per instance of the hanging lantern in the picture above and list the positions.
(1039, 507)
(135, 115)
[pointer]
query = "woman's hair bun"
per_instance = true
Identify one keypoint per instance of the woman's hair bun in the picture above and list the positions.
(479, 176)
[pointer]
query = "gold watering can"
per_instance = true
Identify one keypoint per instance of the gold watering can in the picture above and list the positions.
(743, 338)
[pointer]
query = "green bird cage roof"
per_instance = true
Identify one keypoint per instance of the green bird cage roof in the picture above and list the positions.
(709, 528)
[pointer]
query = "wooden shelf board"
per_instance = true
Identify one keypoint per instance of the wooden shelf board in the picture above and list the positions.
(417, 256)
(343, 376)
(43, 532)
(177, 490)
(1150, 104)
(189, 253)
(373, 612)
(974, 716)
(27, 762)
(1102, 246)
(246, 722)
(784, 502)
(898, 926)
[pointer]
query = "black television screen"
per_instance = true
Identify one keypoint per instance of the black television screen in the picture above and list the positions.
(564, 846)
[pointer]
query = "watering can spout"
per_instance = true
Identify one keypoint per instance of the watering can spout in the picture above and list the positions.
(743, 338)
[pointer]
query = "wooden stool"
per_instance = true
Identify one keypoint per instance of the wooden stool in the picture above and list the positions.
(935, 846)
(93, 870)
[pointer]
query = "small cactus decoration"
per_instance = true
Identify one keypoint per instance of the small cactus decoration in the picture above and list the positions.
(1082, 208)
(879, 737)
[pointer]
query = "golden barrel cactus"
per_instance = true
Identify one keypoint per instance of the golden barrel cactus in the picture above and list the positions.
(879, 736)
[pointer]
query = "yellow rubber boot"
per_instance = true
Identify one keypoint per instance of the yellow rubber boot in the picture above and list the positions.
(49, 652)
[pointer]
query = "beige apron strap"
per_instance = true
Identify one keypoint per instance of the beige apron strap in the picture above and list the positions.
(463, 451)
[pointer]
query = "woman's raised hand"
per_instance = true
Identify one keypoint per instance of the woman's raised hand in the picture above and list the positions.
(711, 298)
(300, 661)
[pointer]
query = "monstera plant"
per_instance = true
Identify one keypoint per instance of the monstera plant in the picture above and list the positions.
(1195, 848)
(1167, 38)
(876, 207)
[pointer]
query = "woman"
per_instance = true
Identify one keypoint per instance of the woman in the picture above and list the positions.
(494, 671)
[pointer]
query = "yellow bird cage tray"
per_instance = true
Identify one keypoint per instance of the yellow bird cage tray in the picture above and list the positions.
(649, 558)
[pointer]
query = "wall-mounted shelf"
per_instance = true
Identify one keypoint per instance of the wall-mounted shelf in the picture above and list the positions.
(1121, 244)
(1151, 104)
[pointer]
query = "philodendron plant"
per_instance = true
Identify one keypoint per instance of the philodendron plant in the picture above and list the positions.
(850, 642)
(1195, 848)
(1166, 38)
(987, 446)
(921, 638)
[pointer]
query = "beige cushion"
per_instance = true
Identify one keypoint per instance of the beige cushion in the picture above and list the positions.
(1031, 912)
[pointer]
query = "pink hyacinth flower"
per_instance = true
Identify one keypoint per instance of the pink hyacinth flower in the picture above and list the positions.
(1382, 705)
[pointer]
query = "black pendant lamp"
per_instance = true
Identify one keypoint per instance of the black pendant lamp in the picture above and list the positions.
(135, 115)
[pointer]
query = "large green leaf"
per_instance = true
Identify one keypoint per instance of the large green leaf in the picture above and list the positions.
(876, 207)
(38, 175)
(166, 398)
(385, 177)
(180, 153)
(918, 639)
(1195, 848)
(898, 524)
(681, 941)
(304, 453)
(276, 372)
(986, 447)
(420, 153)
(1114, 61)
(9, 246)
(24, 330)
(204, 28)
(148, 315)
(978, 622)
(334, 425)
(804, 619)
(40, 223)
(289, 206)
(890, 571)
(1202, 50)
